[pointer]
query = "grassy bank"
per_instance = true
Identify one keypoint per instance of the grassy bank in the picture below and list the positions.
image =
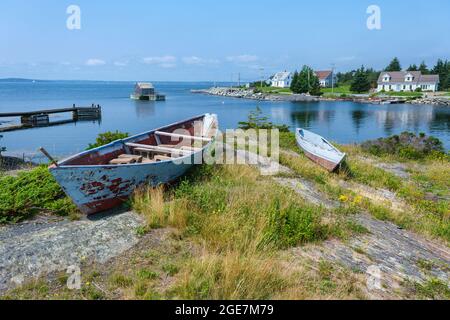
(401, 94)
(424, 197)
(274, 90)
(230, 229)
(226, 232)
(344, 89)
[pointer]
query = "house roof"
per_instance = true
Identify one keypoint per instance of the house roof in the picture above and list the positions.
(399, 77)
(145, 85)
(281, 76)
(429, 78)
(322, 75)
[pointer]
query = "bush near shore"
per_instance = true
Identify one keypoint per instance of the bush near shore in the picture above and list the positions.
(406, 145)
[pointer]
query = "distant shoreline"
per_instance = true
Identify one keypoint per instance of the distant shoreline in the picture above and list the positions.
(250, 94)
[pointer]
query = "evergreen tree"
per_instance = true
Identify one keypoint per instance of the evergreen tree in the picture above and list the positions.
(307, 82)
(294, 82)
(412, 67)
(394, 65)
(423, 68)
(442, 69)
(361, 81)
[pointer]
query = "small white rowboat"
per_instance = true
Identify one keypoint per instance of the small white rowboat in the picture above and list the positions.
(319, 149)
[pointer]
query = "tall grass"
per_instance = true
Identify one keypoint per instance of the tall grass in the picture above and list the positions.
(241, 221)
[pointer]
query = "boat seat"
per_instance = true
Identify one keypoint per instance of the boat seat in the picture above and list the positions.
(161, 158)
(149, 152)
(138, 158)
(183, 148)
(182, 136)
(157, 149)
(123, 161)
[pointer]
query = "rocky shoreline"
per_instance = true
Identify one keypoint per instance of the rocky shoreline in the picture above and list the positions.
(435, 101)
(252, 95)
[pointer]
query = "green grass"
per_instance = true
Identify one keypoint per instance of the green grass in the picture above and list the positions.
(401, 94)
(428, 217)
(344, 89)
(274, 90)
(433, 289)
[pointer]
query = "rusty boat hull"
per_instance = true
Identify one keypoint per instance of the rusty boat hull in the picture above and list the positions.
(319, 150)
(95, 185)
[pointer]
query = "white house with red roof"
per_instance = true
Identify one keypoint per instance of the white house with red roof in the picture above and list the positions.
(326, 78)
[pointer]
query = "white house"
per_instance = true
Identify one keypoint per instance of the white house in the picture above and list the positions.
(326, 78)
(407, 81)
(281, 79)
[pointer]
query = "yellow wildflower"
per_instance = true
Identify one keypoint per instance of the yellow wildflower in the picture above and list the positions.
(357, 200)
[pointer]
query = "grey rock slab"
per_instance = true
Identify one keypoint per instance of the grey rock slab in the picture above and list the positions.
(34, 249)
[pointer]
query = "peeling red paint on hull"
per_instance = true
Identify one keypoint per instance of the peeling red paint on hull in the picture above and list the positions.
(96, 185)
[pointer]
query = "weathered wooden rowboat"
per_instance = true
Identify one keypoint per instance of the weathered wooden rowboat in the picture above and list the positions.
(105, 177)
(319, 149)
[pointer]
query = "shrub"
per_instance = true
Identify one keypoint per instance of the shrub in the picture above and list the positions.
(29, 193)
(256, 120)
(107, 137)
(407, 146)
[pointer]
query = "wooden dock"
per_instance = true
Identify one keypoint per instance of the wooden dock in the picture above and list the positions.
(41, 118)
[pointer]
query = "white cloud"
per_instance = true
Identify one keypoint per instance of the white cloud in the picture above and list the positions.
(95, 62)
(199, 61)
(243, 58)
(163, 61)
(120, 63)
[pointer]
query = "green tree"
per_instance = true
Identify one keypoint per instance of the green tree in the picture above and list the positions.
(372, 76)
(361, 81)
(412, 67)
(294, 81)
(423, 68)
(394, 65)
(107, 137)
(307, 82)
(442, 69)
(256, 120)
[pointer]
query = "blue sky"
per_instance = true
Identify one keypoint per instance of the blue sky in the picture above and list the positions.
(213, 40)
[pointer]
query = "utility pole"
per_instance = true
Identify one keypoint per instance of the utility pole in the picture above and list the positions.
(332, 78)
(239, 79)
(309, 74)
(262, 75)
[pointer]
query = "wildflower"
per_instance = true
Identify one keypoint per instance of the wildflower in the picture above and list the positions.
(357, 200)
(343, 198)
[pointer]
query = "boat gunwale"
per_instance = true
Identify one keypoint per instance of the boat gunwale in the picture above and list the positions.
(123, 141)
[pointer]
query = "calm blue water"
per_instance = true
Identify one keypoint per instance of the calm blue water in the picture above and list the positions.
(343, 122)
